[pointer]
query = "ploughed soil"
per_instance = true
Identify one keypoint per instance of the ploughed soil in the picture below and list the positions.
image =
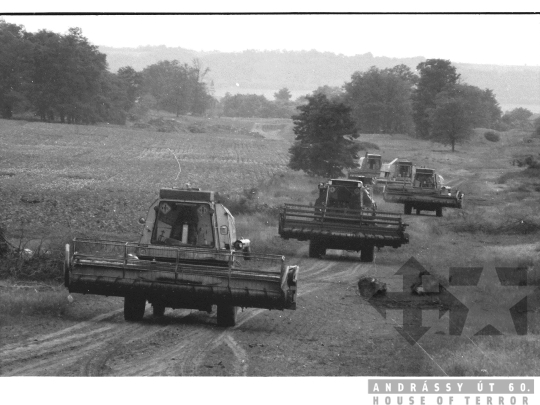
(334, 332)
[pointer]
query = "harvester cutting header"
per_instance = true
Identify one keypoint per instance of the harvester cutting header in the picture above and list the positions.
(344, 217)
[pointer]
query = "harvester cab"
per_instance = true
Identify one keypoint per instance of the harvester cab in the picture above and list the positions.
(404, 170)
(427, 178)
(344, 193)
(191, 218)
(370, 164)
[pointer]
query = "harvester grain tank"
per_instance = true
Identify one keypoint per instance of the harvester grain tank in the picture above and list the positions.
(344, 217)
(188, 256)
(427, 192)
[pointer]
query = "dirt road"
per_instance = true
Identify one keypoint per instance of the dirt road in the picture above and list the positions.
(333, 332)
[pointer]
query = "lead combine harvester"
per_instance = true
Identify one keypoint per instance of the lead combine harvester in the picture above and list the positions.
(188, 257)
(425, 193)
(344, 217)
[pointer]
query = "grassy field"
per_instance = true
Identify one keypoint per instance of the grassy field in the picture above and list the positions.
(60, 181)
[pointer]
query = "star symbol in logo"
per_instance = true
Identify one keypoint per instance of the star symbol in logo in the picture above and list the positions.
(496, 299)
(473, 301)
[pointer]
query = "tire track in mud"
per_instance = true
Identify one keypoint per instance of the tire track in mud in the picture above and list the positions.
(196, 352)
(56, 354)
(52, 353)
(111, 349)
(186, 357)
(37, 340)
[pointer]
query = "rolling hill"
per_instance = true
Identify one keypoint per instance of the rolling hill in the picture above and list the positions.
(265, 72)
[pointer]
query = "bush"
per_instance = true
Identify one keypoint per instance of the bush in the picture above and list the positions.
(196, 129)
(368, 145)
(247, 203)
(530, 161)
(492, 136)
(529, 173)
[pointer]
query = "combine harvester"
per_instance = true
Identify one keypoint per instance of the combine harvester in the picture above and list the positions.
(398, 171)
(344, 217)
(188, 257)
(425, 193)
(368, 170)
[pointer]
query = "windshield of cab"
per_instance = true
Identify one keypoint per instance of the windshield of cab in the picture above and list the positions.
(424, 180)
(344, 197)
(183, 224)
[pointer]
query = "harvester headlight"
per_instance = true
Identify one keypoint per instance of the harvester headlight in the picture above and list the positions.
(332, 189)
(357, 191)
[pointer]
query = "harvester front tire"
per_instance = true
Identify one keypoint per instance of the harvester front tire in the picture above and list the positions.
(408, 209)
(367, 254)
(316, 249)
(134, 308)
(226, 315)
(418, 211)
(158, 309)
(438, 212)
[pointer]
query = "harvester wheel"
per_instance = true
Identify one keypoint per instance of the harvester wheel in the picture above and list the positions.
(367, 254)
(408, 209)
(134, 308)
(158, 309)
(438, 212)
(418, 211)
(226, 315)
(316, 249)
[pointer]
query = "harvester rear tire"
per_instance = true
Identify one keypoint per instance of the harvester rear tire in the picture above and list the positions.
(438, 212)
(367, 254)
(158, 309)
(417, 211)
(226, 315)
(134, 307)
(408, 209)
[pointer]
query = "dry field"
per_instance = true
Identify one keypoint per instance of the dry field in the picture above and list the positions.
(59, 181)
(101, 179)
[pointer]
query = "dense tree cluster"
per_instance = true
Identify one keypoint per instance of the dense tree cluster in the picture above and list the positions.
(433, 105)
(177, 88)
(517, 118)
(381, 99)
(57, 76)
(252, 105)
(321, 148)
(65, 78)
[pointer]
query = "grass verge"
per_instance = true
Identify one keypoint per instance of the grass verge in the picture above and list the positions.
(30, 298)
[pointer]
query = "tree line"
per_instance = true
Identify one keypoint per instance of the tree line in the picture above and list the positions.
(65, 78)
(431, 103)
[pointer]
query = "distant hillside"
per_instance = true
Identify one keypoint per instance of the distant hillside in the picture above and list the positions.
(265, 72)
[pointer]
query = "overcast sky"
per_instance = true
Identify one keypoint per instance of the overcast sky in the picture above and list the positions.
(507, 39)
